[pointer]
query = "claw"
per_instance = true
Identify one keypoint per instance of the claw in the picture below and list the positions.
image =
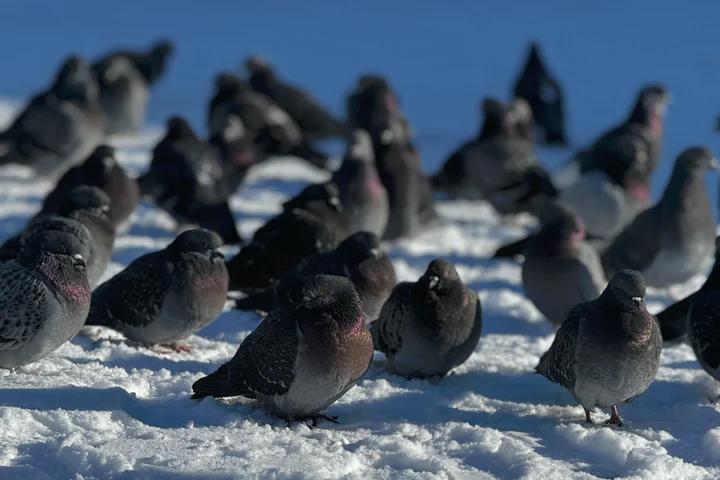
(588, 418)
(320, 416)
(614, 417)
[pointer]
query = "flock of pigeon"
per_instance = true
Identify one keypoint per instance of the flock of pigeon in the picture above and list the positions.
(329, 294)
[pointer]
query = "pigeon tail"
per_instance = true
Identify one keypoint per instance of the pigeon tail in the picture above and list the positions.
(512, 249)
(215, 385)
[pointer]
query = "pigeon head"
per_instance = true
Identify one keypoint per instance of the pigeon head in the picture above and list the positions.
(326, 193)
(497, 119)
(626, 291)
(437, 292)
(257, 65)
(688, 174)
(334, 295)
(178, 128)
(100, 163)
(76, 81)
(360, 147)
(228, 85)
(359, 247)
(561, 227)
(439, 276)
(697, 159)
(86, 199)
(374, 107)
(372, 80)
(200, 241)
(651, 106)
(59, 256)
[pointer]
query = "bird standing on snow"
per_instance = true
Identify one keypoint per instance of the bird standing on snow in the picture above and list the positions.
(543, 93)
(561, 270)
(314, 120)
(125, 78)
(100, 170)
(163, 297)
(358, 258)
(429, 327)
(44, 299)
(607, 351)
(302, 229)
(362, 194)
(83, 215)
(59, 127)
(673, 240)
(674, 319)
(300, 359)
(703, 327)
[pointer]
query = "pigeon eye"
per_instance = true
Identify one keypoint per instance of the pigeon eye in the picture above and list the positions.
(61, 249)
(323, 293)
(203, 244)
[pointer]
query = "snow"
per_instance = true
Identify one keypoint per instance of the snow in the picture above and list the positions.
(99, 408)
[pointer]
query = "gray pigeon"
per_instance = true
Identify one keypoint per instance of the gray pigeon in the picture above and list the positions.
(125, 78)
(59, 127)
(362, 194)
(429, 327)
(704, 330)
(300, 359)
(100, 170)
(45, 298)
(163, 297)
(607, 351)
(358, 258)
(674, 319)
(674, 240)
(560, 268)
(82, 215)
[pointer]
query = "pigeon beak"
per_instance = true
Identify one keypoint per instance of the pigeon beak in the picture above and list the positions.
(714, 164)
(386, 137)
(105, 208)
(335, 202)
(375, 252)
(78, 262)
(306, 299)
(637, 301)
(434, 282)
(215, 254)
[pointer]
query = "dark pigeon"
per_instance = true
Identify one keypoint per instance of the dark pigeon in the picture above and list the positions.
(362, 194)
(358, 258)
(299, 231)
(607, 351)
(163, 297)
(45, 298)
(703, 328)
(83, 216)
(314, 120)
(560, 269)
(431, 326)
(193, 180)
(275, 133)
(545, 96)
(504, 167)
(125, 78)
(300, 359)
(100, 170)
(674, 319)
(673, 240)
(59, 127)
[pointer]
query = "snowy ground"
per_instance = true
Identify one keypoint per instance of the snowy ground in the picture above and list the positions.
(101, 409)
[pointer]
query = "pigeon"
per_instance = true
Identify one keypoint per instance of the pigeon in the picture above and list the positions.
(358, 258)
(505, 169)
(100, 170)
(607, 351)
(544, 95)
(301, 358)
(125, 78)
(45, 298)
(374, 106)
(84, 216)
(561, 270)
(59, 127)
(429, 327)
(674, 319)
(703, 329)
(275, 133)
(673, 240)
(313, 119)
(323, 201)
(362, 194)
(189, 179)
(163, 297)
(298, 232)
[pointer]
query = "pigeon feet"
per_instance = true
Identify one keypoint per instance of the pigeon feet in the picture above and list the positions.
(170, 347)
(614, 418)
(320, 416)
(588, 418)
